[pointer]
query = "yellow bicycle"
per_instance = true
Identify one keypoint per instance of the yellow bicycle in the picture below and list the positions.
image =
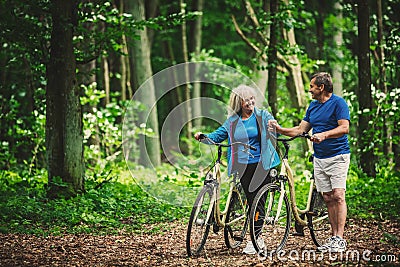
(206, 210)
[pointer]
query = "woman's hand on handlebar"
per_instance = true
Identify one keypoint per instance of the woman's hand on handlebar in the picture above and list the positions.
(198, 136)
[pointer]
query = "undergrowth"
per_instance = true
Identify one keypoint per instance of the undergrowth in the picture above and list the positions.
(114, 208)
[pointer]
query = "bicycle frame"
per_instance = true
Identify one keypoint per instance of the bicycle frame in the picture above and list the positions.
(286, 173)
(220, 216)
(215, 181)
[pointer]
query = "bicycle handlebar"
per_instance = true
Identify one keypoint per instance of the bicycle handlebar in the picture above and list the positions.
(247, 146)
(305, 135)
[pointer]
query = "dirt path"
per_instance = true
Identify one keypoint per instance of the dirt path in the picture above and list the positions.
(375, 242)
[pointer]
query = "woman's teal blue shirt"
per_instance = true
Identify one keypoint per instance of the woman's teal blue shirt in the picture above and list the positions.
(269, 156)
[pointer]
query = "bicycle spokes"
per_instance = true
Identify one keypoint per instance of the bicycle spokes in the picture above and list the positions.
(199, 222)
(318, 219)
(271, 218)
(236, 221)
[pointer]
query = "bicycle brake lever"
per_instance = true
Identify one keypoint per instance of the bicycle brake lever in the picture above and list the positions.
(202, 137)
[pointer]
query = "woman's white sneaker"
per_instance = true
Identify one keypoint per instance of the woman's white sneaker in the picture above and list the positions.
(249, 249)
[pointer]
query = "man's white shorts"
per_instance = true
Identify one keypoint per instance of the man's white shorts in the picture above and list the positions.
(331, 173)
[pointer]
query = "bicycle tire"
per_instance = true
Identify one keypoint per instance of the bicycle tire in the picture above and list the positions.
(234, 233)
(273, 230)
(198, 228)
(318, 220)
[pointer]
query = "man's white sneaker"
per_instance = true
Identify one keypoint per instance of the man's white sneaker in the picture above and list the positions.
(249, 249)
(333, 244)
(327, 246)
(338, 245)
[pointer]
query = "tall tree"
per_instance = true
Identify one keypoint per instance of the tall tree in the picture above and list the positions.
(367, 160)
(273, 58)
(288, 63)
(295, 80)
(118, 62)
(140, 52)
(64, 135)
(337, 70)
(196, 47)
(386, 131)
(186, 86)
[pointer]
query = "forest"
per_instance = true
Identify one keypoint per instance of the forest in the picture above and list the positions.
(100, 100)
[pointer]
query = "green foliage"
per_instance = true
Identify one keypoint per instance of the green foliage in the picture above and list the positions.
(383, 118)
(111, 208)
(23, 141)
(108, 205)
(377, 198)
(102, 130)
(102, 24)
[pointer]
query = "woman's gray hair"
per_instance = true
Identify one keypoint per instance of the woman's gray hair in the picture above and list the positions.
(238, 94)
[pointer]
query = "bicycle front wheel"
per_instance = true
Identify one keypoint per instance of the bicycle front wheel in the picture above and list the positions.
(200, 221)
(236, 222)
(269, 220)
(318, 220)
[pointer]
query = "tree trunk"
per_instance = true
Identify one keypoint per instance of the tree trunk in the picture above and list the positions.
(123, 66)
(387, 130)
(186, 86)
(127, 71)
(151, 7)
(337, 69)
(319, 21)
(196, 35)
(273, 59)
(87, 78)
(106, 75)
(291, 63)
(64, 136)
(115, 65)
(140, 49)
(261, 78)
(124, 69)
(367, 160)
(294, 67)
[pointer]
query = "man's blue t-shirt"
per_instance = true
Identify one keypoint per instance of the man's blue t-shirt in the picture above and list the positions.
(324, 117)
(246, 131)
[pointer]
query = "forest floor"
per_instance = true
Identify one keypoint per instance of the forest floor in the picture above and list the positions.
(369, 243)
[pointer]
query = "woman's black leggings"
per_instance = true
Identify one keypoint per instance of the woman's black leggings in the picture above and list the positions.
(252, 178)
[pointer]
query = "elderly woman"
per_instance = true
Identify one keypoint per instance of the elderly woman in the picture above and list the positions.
(247, 124)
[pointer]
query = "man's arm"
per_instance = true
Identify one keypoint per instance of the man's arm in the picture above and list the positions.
(343, 128)
(301, 128)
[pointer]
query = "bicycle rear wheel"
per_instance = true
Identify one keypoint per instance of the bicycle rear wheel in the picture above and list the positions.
(318, 220)
(199, 224)
(269, 221)
(236, 222)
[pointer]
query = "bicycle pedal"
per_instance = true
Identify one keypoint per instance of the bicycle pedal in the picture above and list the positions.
(238, 238)
(215, 228)
(297, 234)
